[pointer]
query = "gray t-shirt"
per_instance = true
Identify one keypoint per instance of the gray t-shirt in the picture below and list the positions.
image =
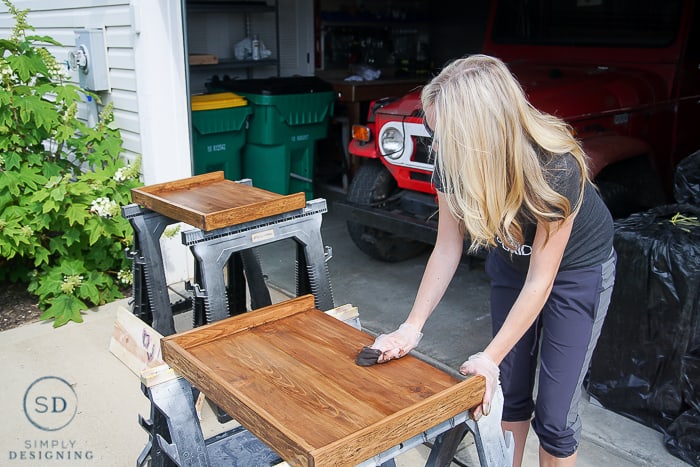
(591, 239)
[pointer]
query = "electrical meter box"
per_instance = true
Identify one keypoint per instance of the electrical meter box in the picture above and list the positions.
(90, 59)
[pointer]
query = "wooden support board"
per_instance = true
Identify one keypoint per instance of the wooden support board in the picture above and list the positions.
(211, 202)
(287, 373)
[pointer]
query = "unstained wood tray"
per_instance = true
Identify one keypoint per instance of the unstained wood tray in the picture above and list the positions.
(287, 373)
(211, 202)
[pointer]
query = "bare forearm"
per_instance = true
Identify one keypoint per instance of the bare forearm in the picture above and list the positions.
(441, 266)
(436, 278)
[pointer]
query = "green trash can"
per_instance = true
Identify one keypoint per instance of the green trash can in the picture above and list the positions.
(288, 116)
(219, 133)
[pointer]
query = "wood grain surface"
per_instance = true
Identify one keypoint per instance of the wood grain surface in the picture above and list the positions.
(287, 373)
(211, 202)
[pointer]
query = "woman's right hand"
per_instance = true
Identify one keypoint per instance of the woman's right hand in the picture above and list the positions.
(398, 343)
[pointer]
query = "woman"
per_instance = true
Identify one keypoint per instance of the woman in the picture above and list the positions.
(515, 180)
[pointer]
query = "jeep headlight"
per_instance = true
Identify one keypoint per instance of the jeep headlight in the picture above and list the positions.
(392, 142)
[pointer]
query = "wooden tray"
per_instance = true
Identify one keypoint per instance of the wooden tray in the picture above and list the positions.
(211, 202)
(287, 373)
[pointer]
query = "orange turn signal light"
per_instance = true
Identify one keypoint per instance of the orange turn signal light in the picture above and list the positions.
(360, 133)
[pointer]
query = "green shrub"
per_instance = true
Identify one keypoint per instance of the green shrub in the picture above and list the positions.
(61, 184)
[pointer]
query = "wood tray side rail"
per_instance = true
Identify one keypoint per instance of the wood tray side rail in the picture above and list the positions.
(404, 425)
(210, 202)
(209, 333)
(287, 373)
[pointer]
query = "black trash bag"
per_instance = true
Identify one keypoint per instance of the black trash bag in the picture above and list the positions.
(682, 438)
(645, 365)
(686, 180)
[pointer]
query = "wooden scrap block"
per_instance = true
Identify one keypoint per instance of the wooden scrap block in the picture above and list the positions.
(203, 59)
(135, 343)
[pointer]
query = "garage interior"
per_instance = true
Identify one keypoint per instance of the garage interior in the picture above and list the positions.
(385, 47)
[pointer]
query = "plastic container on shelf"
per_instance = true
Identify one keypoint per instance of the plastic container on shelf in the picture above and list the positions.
(288, 116)
(219, 122)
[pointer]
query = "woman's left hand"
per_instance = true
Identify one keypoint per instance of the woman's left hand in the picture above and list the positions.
(481, 364)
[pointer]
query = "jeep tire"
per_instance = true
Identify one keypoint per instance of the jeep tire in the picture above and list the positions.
(373, 185)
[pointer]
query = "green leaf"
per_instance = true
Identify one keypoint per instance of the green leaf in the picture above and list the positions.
(50, 205)
(10, 181)
(90, 292)
(36, 110)
(59, 193)
(77, 214)
(32, 177)
(96, 232)
(27, 65)
(41, 256)
(71, 236)
(44, 39)
(64, 308)
(57, 245)
(12, 160)
(72, 267)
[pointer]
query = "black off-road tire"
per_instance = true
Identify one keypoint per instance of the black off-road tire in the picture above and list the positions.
(373, 185)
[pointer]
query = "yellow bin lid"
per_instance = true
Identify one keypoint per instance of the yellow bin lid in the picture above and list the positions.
(222, 100)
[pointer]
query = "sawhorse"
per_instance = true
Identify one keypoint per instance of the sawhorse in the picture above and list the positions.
(233, 247)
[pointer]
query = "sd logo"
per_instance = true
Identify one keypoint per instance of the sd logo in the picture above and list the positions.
(50, 403)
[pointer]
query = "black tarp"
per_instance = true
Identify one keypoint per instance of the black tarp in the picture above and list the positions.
(686, 180)
(647, 362)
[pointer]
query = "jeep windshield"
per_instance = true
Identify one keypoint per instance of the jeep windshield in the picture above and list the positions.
(587, 23)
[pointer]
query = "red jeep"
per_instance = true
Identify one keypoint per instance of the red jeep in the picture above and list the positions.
(624, 74)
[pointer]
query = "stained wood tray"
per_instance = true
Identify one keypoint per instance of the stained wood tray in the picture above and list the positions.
(287, 373)
(211, 202)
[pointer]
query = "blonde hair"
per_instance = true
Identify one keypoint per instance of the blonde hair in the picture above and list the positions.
(492, 144)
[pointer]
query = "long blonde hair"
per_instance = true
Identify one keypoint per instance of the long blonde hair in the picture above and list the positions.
(492, 144)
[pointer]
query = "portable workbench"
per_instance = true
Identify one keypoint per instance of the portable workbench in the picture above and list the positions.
(285, 372)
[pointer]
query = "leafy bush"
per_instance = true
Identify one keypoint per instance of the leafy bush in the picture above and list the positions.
(61, 184)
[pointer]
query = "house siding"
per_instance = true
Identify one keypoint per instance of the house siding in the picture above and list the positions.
(127, 73)
(146, 66)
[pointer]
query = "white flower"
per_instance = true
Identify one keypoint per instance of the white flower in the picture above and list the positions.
(121, 174)
(104, 207)
(125, 276)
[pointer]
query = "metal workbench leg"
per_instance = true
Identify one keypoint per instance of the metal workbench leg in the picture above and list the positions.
(148, 227)
(178, 434)
(211, 259)
(316, 278)
(446, 445)
(235, 285)
(494, 447)
(254, 277)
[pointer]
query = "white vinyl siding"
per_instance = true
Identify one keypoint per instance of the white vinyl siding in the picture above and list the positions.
(60, 19)
(145, 61)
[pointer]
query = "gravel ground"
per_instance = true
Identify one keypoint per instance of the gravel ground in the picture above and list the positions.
(17, 306)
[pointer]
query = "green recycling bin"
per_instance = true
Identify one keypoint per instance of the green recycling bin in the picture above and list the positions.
(219, 133)
(288, 116)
